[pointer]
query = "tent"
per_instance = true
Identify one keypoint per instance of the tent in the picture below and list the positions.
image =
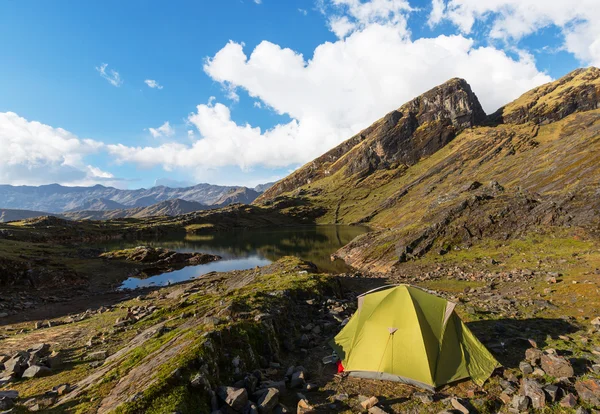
(402, 333)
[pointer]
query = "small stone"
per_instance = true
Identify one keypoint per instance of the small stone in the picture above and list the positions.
(533, 355)
(568, 401)
(538, 372)
(62, 389)
(370, 402)
(268, 401)
(304, 407)
(376, 410)
(459, 406)
(525, 368)
(236, 398)
(341, 397)
(552, 391)
(520, 402)
(97, 356)
(505, 398)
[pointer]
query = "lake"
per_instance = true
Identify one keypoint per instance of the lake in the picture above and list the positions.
(247, 248)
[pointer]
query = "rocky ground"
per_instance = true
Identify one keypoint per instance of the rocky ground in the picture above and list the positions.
(254, 341)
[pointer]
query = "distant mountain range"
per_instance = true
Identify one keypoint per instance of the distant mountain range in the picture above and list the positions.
(55, 198)
(101, 203)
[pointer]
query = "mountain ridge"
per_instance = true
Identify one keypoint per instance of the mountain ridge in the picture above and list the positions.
(55, 198)
(530, 166)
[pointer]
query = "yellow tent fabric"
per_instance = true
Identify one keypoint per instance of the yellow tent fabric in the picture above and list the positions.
(402, 333)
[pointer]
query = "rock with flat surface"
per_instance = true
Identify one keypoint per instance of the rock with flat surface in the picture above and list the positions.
(36, 371)
(568, 401)
(556, 366)
(589, 391)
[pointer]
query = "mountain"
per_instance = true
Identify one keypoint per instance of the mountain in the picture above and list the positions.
(99, 204)
(174, 207)
(261, 188)
(55, 198)
(437, 174)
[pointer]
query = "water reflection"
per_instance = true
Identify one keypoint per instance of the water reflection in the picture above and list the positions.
(245, 249)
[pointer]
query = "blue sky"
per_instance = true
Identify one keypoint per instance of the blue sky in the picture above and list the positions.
(250, 89)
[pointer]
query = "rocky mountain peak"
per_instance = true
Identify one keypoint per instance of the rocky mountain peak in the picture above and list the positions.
(575, 92)
(417, 129)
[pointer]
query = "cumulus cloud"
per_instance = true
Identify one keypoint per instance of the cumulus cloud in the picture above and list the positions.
(514, 19)
(342, 88)
(352, 15)
(165, 130)
(153, 84)
(35, 153)
(111, 75)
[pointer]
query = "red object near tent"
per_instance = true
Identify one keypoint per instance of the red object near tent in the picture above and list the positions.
(340, 367)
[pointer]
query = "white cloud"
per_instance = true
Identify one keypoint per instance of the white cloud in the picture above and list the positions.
(153, 84)
(33, 153)
(514, 19)
(165, 130)
(111, 75)
(342, 88)
(303, 11)
(258, 1)
(352, 15)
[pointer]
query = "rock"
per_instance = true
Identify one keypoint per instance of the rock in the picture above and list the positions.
(505, 398)
(297, 380)
(533, 355)
(525, 368)
(304, 407)
(40, 350)
(36, 371)
(54, 360)
(17, 364)
(520, 403)
(97, 356)
(236, 398)
(538, 372)
(581, 410)
(459, 406)
(281, 409)
(6, 403)
(532, 389)
(62, 389)
(552, 392)
(589, 391)
(568, 401)
(369, 402)
(268, 401)
(556, 366)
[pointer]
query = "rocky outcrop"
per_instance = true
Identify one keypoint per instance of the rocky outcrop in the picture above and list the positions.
(157, 256)
(404, 136)
(576, 92)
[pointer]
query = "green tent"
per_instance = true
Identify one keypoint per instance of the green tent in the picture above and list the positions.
(402, 333)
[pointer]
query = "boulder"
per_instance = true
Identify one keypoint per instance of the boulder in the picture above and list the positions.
(552, 392)
(532, 389)
(458, 405)
(36, 371)
(236, 398)
(40, 350)
(589, 391)
(304, 407)
(17, 364)
(556, 366)
(268, 401)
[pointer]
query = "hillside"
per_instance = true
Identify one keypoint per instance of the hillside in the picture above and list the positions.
(55, 198)
(12, 215)
(438, 175)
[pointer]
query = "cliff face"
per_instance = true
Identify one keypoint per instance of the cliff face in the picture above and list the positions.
(417, 129)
